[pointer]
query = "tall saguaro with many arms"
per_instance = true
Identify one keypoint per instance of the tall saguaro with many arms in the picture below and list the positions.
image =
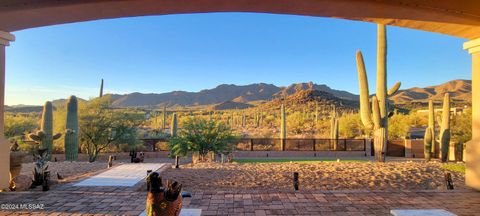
(376, 117)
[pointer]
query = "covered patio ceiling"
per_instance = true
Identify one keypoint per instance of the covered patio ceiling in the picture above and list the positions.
(460, 18)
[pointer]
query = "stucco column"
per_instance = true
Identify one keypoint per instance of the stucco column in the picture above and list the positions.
(5, 39)
(472, 175)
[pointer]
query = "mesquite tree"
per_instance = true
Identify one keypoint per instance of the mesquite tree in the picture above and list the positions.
(101, 127)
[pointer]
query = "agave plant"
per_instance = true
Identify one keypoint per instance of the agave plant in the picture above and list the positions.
(40, 171)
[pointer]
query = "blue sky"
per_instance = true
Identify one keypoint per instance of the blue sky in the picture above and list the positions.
(198, 51)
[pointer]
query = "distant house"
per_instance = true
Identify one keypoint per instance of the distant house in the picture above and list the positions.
(454, 111)
(416, 132)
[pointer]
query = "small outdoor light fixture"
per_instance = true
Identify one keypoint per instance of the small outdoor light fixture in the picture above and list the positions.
(295, 181)
(448, 181)
(110, 161)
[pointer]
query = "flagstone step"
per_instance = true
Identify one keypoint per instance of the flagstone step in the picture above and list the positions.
(125, 175)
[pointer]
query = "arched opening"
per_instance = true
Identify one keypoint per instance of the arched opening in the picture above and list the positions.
(441, 16)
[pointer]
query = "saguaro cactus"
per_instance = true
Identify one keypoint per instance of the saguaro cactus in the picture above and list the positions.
(71, 132)
(376, 117)
(45, 136)
(173, 126)
(173, 133)
(429, 138)
(244, 120)
(334, 130)
(164, 117)
(283, 127)
(101, 88)
(444, 123)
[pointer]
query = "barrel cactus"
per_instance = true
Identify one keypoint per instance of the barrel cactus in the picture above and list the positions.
(45, 136)
(429, 138)
(376, 116)
(444, 123)
(71, 132)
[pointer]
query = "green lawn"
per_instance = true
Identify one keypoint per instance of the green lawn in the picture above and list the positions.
(454, 167)
(286, 160)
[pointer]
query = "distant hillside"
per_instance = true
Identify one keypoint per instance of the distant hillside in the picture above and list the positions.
(63, 102)
(220, 94)
(460, 90)
(293, 88)
(23, 109)
(231, 105)
(311, 96)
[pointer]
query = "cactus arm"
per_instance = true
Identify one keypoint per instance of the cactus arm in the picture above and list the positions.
(428, 136)
(381, 85)
(428, 141)
(34, 137)
(446, 111)
(390, 114)
(57, 136)
(431, 114)
(376, 113)
(394, 89)
(365, 112)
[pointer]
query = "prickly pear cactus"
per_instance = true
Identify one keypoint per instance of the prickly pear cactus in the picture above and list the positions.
(71, 132)
(376, 116)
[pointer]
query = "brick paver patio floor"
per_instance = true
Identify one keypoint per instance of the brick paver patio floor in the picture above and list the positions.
(66, 199)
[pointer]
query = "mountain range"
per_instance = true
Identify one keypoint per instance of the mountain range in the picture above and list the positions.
(242, 96)
(222, 93)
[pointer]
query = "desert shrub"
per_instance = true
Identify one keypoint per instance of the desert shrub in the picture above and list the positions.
(462, 127)
(350, 126)
(201, 136)
(17, 125)
(100, 127)
(399, 126)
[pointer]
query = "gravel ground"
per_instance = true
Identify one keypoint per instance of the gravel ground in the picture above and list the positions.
(314, 176)
(68, 170)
